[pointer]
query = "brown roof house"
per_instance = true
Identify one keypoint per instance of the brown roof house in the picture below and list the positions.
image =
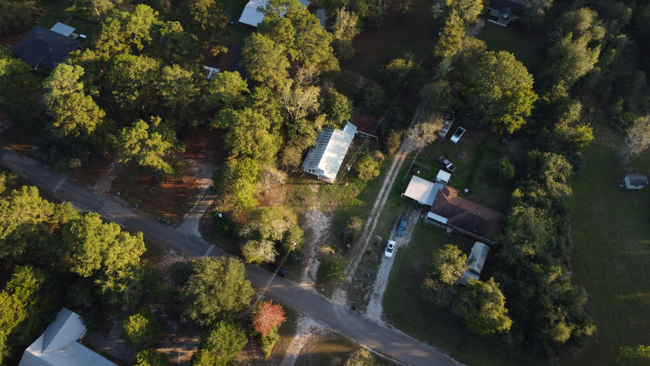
(465, 216)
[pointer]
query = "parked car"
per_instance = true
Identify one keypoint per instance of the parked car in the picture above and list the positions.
(449, 120)
(457, 135)
(390, 249)
(401, 228)
(281, 271)
(446, 164)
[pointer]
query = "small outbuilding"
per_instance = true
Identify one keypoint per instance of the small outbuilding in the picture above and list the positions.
(503, 12)
(325, 159)
(635, 181)
(476, 261)
(443, 177)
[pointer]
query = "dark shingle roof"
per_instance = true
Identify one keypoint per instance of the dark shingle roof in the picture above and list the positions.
(43, 47)
(514, 7)
(638, 179)
(467, 215)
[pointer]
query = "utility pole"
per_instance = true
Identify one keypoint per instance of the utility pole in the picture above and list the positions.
(346, 175)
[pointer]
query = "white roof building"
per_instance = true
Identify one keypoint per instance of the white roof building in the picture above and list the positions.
(421, 190)
(251, 16)
(443, 177)
(59, 346)
(476, 260)
(325, 159)
(62, 29)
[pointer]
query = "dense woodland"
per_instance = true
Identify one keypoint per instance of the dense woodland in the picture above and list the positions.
(137, 84)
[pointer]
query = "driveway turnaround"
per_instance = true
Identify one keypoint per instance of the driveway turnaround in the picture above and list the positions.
(373, 334)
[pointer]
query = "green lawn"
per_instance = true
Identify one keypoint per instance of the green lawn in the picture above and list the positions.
(611, 255)
(523, 44)
(407, 311)
(63, 10)
(476, 172)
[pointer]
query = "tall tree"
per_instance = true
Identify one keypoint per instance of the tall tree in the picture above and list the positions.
(89, 244)
(178, 89)
(131, 81)
(208, 15)
(336, 107)
(345, 28)
(265, 61)
(249, 135)
(569, 60)
(151, 146)
(289, 23)
(482, 306)
(451, 38)
(638, 138)
(226, 91)
(468, 11)
(217, 290)
(237, 182)
(448, 264)
(499, 88)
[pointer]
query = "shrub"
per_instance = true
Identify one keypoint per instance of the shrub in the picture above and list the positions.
(504, 170)
(394, 141)
(142, 330)
(353, 229)
(332, 270)
(267, 343)
(151, 358)
(221, 345)
(367, 168)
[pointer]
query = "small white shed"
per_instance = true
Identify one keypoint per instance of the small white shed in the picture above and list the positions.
(476, 260)
(443, 177)
(635, 181)
(477, 257)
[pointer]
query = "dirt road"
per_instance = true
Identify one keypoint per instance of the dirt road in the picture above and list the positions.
(340, 294)
(386, 341)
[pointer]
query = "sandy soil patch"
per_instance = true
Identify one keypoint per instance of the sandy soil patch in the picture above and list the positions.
(305, 329)
(375, 309)
(320, 224)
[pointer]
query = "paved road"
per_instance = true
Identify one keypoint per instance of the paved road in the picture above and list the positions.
(377, 336)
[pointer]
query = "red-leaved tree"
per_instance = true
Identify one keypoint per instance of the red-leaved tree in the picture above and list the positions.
(267, 317)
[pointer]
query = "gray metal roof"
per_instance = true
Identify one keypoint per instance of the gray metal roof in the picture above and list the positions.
(477, 257)
(251, 16)
(59, 346)
(62, 29)
(327, 156)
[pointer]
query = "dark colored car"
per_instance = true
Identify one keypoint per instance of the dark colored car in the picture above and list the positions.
(281, 271)
(401, 228)
(446, 164)
(449, 120)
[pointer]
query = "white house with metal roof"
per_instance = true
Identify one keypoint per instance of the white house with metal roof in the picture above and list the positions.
(253, 17)
(422, 191)
(325, 159)
(59, 345)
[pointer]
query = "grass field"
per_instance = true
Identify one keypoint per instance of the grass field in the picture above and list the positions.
(406, 309)
(611, 255)
(526, 46)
